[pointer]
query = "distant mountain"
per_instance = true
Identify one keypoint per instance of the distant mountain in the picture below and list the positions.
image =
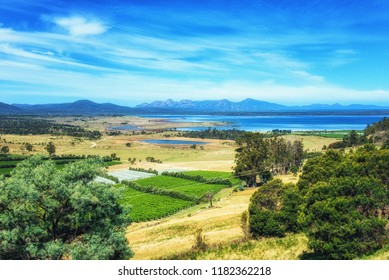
(80, 107)
(248, 105)
(8, 109)
(224, 105)
(245, 107)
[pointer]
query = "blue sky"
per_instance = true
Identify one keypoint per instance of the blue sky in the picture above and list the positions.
(129, 52)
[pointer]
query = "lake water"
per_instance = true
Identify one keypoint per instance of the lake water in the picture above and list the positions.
(173, 142)
(284, 122)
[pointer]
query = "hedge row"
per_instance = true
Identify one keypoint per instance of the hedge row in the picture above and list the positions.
(150, 170)
(199, 178)
(155, 190)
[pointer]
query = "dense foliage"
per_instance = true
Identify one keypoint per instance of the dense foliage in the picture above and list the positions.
(274, 210)
(376, 132)
(35, 126)
(50, 213)
(262, 157)
(347, 202)
(352, 139)
(342, 203)
(379, 131)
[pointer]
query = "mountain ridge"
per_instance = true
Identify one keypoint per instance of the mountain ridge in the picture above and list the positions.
(184, 106)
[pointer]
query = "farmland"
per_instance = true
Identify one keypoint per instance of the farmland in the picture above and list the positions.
(214, 174)
(188, 187)
(147, 206)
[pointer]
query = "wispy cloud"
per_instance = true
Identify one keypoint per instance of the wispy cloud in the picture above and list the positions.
(182, 51)
(79, 26)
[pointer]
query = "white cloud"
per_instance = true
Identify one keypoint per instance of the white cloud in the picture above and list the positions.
(79, 26)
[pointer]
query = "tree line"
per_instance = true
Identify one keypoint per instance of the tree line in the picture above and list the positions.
(227, 134)
(35, 126)
(377, 132)
(259, 158)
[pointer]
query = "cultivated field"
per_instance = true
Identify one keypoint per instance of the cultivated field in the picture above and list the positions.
(146, 206)
(188, 187)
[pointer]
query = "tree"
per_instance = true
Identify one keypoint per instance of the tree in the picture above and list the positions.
(259, 157)
(4, 150)
(46, 213)
(28, 147)
(50, 148)
(274, 210)
(252, 158)
(342, 217)
(347, 202)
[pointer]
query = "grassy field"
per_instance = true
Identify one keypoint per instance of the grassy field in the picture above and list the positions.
(188, 187)
(147, 206)
(336, 134)
(215, 174)
(290, 247)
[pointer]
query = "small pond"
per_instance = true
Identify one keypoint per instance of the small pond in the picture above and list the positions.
(173, 142)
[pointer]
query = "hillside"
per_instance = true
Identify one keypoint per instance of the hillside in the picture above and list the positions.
(8, 109)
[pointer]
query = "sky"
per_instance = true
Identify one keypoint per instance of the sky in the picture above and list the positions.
(130, 52)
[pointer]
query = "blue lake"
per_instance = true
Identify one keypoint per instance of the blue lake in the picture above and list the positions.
(173, 142)
(284, 122)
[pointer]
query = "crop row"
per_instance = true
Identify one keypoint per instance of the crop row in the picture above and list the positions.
(199, 178)
(147, 206)
(185, 186)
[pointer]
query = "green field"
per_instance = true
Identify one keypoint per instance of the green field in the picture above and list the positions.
(336, 134)
(147, 206)
(188, 187)
(215, 174)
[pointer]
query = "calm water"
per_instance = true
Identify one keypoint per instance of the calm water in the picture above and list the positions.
(173, 142)
(268, 123)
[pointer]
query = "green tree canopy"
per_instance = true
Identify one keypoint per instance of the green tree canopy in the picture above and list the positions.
(274, 210)
(46, 213)
(347, 202)
(258, 157)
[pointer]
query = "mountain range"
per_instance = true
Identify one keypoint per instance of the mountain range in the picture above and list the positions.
(247, 106)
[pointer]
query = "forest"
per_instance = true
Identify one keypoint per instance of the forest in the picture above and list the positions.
(24, 125)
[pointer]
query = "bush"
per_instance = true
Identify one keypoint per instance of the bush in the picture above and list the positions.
(274, 210)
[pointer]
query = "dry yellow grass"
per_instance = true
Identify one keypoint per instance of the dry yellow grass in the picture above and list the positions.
(172, 235)
(288, 248)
